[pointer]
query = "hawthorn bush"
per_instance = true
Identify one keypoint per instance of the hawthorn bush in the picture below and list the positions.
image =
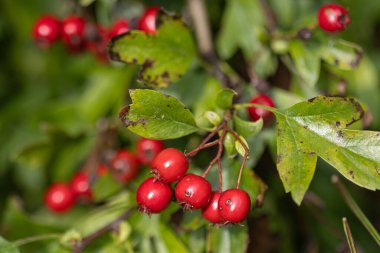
(189, 126)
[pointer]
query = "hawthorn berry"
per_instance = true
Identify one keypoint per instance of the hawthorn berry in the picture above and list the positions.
(211, 211)
(73, 29)
(147, 22)
(125, 166)
(153, 196)
(96, 40)
(147, 150)
(333, 18)
(170, 165)
(234, 205)
(119, 27)
(46, 30)
(193, 192)
(257, 113)
(80, 185)
(59, 198)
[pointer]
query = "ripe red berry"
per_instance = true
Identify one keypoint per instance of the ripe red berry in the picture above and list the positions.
(125, 166)
(46, 30)
(153, 196)
(257, 113)
(170, 165)
(148, 149)
(147, 22)
(211, 211)
(80, 185)
(333, 18)
(96, 40)
(193, 192)
(73, 29)
(119, 27)
(59, 198)
(234, 205)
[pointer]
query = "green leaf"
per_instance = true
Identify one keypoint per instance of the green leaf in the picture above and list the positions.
(224, 98)
(229, 239)
(342, 54)
(239, 147)
(105, 186)
(306, 62)
(316, 128)
(240, 15)
(157, 116)
(229, 145)
(247, 128)
(164, 56)
(7, 247)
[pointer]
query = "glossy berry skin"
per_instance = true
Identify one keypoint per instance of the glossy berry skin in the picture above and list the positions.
(147, 22)
(148, 149)
(153, 196)
(257, 113)
(119, 27)
(46, 30)
(73, 29)
(59, 198)
(193, 192)
(211, 211)
(80, 186)
(234, 205)
(125, 166)
(333, 18)
(170, 165)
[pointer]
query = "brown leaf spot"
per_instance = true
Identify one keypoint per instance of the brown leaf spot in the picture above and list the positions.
(339, 133)
(279, 158)
(337, 123)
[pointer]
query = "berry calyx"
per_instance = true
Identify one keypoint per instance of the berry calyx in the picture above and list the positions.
(211, 211)
(170, 165)
(147, 22)
(59, 198)
(148, 149)
(234, 205)
(333, 18)
(153, 196)
(80, 186)
(119, 27)
(46, 30)
(73, 28)
(193, 192)
(257, 113)
(125, 166)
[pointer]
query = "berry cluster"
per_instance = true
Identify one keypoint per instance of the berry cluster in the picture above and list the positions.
(124, 166)
(192, 192)
(79, 35)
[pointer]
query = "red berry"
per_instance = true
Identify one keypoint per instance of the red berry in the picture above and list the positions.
(125, 166)
(96, 40)
(148, 149)
(211, 211)
(80, 185)
(119, 27)
(59, 198)
(257, 113)
(234, 205)
(73, 29)
(153, 196)
(46, 30)
(333, 18)
(193, 192)
(147, 22)
(170, 165)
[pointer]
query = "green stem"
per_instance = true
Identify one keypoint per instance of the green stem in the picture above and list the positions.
(350, 239)
(246, 105)
(356, 209)
(21, 242)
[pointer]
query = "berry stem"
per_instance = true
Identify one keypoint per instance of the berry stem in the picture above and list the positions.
(220, 150)
(245, 157)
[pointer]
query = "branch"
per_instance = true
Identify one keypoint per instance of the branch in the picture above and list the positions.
(270, 16)
(80, 245)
